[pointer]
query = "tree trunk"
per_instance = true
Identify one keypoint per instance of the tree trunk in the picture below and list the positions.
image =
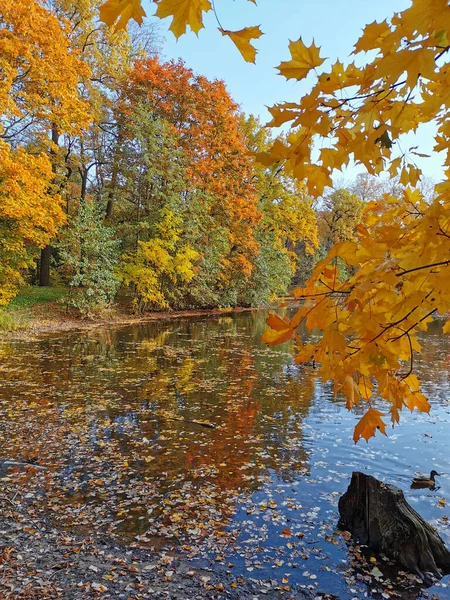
(44, 267)
(377, 515)
(114, 176)
(44, 270)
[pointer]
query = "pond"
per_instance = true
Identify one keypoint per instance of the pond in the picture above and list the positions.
(192, 434)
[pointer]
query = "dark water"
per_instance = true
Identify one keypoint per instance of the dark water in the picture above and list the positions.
(113, 414)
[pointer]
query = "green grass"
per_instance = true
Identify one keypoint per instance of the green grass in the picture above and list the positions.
(35, 295)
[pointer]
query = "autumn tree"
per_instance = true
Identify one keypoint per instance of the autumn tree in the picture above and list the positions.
(151, 216)
(342, 212)
(287, 220)
(216, 198)
(80, 155)
(40, 77)
(400, 262)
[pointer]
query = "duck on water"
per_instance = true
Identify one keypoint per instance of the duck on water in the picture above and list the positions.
(425, 482)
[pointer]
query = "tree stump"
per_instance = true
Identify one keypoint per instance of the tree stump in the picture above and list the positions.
(377, 515)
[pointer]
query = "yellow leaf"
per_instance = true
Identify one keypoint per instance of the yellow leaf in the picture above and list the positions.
(242, 39)
(415, 62)
(351, 391)
(184, 13)
(303, 59)
(367, 425)
(371, 37)
(124, 10)
(446, 328)
(276, 154)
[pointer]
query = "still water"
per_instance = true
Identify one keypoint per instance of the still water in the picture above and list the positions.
(192, 434)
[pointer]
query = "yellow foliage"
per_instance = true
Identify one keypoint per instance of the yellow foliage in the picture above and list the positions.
(184, 13)
(157, 262)
(40, 73)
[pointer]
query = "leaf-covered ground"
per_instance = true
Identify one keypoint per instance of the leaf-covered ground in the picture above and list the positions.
(139, 490)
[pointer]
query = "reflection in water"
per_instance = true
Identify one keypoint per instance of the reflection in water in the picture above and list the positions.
(115, 415)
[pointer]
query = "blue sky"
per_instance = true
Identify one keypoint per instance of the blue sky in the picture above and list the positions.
(335, 25)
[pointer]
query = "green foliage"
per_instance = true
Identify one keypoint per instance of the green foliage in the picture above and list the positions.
(89, 254)
(271, 275)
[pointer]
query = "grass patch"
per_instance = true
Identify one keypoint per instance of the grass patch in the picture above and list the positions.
(10, 321)
(35, 295)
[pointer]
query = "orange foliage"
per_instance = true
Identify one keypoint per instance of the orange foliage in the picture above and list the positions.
(40, 73)
(206, 121)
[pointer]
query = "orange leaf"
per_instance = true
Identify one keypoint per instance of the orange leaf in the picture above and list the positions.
(276, 322)
(273, 337)
(368, 424)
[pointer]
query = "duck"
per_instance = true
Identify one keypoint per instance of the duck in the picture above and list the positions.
(425, 482)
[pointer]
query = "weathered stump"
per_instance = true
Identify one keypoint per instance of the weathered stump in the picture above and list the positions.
(377, 515)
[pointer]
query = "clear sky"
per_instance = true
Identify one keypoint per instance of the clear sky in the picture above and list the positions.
(334, 25)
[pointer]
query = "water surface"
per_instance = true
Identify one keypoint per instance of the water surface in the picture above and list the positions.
(116, 414)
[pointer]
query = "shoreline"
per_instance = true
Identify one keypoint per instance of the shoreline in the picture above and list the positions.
(49, 318)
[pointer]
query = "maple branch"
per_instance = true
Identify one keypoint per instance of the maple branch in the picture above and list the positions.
(215, 14)
(445, 234)
(411, 364)
(323, 293)
(385, 328)
(363, 96)
(438, 264)
(441, 53)
(406, 332)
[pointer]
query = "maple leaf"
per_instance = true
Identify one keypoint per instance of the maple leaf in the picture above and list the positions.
(370, 39)
(351, 391)
(276, 154)
(274, 337)
(281, 330)
(121, 11)
(303, 60)
(416, 63)
(368, 424)
(277, 323)
(242, 39)
(184, 13)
